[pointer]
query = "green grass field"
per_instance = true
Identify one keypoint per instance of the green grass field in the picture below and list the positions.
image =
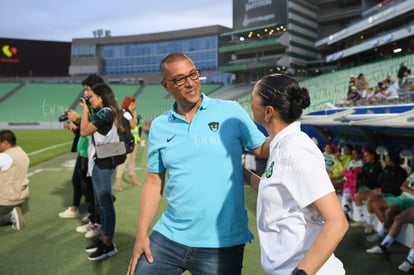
(50, 245)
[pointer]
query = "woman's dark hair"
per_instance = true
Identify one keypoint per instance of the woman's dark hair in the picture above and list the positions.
(92, 80)
(357, 149)
(395, 158)
(108, 100)
(284, 94)
(372, 152)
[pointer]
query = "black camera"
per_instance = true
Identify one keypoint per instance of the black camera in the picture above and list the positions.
(63, 117)
(86, 98)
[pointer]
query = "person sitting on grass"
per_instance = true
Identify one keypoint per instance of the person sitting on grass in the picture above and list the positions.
(14, 183)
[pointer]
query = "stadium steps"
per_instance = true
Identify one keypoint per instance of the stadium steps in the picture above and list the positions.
(10, 89)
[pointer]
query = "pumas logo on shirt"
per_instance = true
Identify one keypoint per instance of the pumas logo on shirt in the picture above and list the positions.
(269, 170)
(214, 126)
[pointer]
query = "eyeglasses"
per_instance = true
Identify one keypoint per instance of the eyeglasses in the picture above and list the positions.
(180, 80)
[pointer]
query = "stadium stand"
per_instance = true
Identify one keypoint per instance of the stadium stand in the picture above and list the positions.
(46, 101)
(7, 88)
(38, 102)
(332, 87)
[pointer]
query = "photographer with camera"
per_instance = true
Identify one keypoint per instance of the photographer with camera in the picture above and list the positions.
(105, 128)
(82, 184)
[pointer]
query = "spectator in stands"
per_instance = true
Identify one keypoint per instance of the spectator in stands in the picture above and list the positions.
(341, 163)
(369, 95)
(92, 228)
(300, 220)
(378, 92)
(407, 83)
(351, 83)
(14, 183)
(129, 113)
(390, 90)
(402, 68)
(393, 82)
(367, 182)
(354, 96)
(205, 214)
(103, 126)
(361, 84)
(389, 187)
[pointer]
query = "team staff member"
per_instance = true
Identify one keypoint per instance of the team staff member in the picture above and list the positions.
(199, 142)
(299, 218)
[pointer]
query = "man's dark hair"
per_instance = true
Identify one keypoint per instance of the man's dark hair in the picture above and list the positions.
(8, 136)
(92, 80)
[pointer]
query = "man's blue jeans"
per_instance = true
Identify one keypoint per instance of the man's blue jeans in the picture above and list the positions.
(102, 188)
(174, 258)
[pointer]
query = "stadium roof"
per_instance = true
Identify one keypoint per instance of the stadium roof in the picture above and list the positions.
(153, 37)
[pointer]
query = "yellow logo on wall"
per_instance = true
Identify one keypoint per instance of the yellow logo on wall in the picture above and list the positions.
(8, 51)
(8, 54)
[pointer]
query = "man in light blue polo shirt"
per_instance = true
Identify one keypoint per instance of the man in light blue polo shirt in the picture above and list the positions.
(199, 144)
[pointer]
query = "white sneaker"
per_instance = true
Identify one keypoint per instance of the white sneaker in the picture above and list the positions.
(84, 228)
(69, 214)
(16, 218)
(95, 231)
(374, 237)
(405, 266)
(376, 250)
(86, 218)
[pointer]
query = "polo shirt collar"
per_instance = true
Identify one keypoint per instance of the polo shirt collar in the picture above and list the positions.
(172, 114)
(294, 127)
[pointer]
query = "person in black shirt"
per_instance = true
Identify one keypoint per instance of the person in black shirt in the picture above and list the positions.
(367, 183)
(391, 180)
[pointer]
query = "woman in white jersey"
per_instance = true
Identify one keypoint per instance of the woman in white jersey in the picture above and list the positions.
(300, 220)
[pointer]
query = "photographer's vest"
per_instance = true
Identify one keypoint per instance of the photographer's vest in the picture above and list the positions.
(110, 137)
(135, 134)
(14, 183)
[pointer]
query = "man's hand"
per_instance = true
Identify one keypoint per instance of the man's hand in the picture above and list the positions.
(140, 247)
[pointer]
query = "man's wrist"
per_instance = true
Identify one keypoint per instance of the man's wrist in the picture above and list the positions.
(298, 271)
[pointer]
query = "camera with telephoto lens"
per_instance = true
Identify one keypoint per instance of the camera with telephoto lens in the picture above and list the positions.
(63, 117)
(86, 98)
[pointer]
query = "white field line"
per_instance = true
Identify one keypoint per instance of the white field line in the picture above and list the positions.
(37, 171)
(48, 148)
